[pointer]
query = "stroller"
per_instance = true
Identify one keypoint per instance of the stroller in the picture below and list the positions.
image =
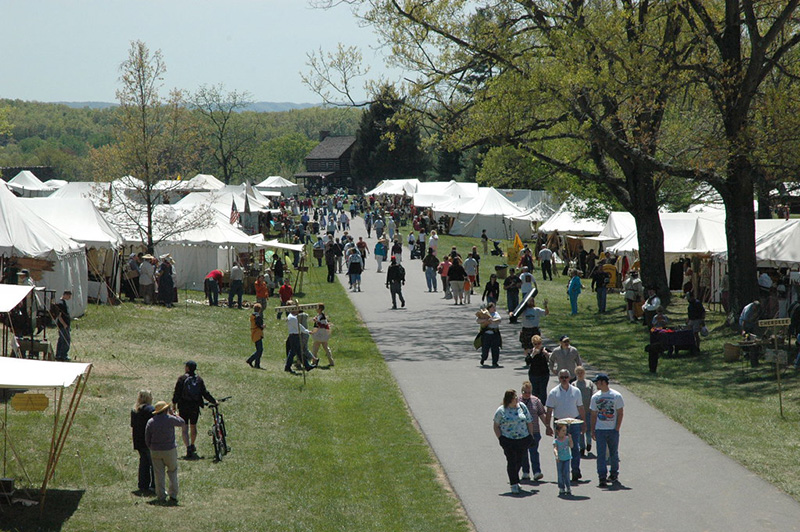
(496, 252)
(416, 253)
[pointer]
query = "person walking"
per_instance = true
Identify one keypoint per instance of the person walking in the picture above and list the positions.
(330, 261)
(321, 334)
(546, 258)
(565, 401)
(262, 290)
(587, 389)
(539, 368)
(531, 324)
(513, 427)
(565, 356)
(562, 449)
(395, 279)
(511, 285)
(490, 335)
(574, 290)
(429, 265)
(256, 336)
(532, 470)
(607, 408)
(600, 282)
(293, 346)
(190, 390)
(159, 436)
(64, 325)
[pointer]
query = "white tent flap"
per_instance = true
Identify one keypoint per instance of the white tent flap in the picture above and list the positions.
(22, 373)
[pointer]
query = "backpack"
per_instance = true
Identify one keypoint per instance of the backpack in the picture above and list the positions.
(191, 389)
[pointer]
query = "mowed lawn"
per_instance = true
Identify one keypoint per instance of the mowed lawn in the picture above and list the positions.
(339, 452)
(732, 407)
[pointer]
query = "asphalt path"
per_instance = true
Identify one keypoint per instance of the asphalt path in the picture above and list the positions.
(669, 478)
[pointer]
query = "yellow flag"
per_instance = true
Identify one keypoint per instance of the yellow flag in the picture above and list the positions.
(517, 242)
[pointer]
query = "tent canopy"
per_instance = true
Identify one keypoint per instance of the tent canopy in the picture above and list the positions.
(79, 219)
(276, 183)
(566, 222)
(23, 373)
(397, 187)
(11, 295)
(618, 225)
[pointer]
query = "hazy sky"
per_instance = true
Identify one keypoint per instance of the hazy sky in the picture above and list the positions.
(70, 50)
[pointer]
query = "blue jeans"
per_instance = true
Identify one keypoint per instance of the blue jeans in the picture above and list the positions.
(236, 289)
(512, 300)
(573, 303)
(212, 289)
(430, 278)
(609, 438)
(64, 342)
(255, 358)
(575, 432)
(533, 452)
(586, 438)
(146, 480)
(562, 468)
(490, 342)
(601, 299)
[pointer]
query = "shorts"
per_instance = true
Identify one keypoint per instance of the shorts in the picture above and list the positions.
(189, 414)
(526, 334)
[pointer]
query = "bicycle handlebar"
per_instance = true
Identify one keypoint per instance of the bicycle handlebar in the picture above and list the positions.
(218, 401)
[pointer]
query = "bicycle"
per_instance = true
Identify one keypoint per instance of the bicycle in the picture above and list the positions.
(217, 432)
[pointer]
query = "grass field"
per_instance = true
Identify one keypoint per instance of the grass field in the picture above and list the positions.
(338, 453)
(734, 409)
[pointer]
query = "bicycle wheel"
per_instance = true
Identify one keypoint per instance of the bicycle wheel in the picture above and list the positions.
(224, 434)
(217, 441)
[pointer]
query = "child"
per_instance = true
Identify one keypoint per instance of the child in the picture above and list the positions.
(562, 449)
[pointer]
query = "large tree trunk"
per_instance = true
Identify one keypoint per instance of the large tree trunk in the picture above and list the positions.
(740, 229)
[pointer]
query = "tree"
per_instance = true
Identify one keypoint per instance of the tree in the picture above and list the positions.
(580, 87)
(151, 145)
(282, 156)
(387, 144)
(230, 139)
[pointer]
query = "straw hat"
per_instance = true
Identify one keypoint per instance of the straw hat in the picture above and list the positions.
(160, 407)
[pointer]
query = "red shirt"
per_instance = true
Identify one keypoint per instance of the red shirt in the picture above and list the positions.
(285, 292)
(216, 275)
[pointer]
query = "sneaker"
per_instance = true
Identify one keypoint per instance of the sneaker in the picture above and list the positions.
(568, 492)
(172, 501)
(613, 478)
(603, 483)
(515, 488)
(526, 476)
(589, 448)
(561, 492)
(576, 477)
(538, 476)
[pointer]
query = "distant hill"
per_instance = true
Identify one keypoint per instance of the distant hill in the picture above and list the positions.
(259, 107)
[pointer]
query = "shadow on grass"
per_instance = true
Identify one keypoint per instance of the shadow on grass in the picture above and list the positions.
(58, 507)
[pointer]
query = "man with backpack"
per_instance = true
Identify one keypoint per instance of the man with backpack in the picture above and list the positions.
(395, 279)
(190, 390)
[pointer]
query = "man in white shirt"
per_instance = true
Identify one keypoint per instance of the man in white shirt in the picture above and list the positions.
(147, 281)
(607, 409)
(293, 346)
(546, 258)
(566, 401)
(526, 278)
(237, 285)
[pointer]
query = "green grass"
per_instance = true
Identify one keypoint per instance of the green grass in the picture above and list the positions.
(736, 411)
(338, 453)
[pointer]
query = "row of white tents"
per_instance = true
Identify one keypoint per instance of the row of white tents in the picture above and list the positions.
(81, 229)
(500, 212)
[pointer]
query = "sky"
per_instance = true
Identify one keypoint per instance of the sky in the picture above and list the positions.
(57, 50)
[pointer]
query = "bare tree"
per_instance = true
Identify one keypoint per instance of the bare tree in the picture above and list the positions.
(230, 138)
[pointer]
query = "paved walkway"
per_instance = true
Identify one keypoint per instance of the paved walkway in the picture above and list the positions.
(670, 479)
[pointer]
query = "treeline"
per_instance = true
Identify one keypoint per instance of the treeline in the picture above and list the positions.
(65, 138)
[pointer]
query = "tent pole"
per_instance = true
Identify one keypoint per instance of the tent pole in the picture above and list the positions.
(69, 416)
(59, 398)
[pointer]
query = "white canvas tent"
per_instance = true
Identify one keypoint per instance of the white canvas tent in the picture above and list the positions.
(55, 184)
(567, 223)
(24, 234)
(619, 225)
(488, 210)
(276, 183)
(84, 223)
(777, 248)
(528, 222)
(27, 185)
(397, 187)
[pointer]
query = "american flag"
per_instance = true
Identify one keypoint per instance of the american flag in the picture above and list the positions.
(234, 212)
